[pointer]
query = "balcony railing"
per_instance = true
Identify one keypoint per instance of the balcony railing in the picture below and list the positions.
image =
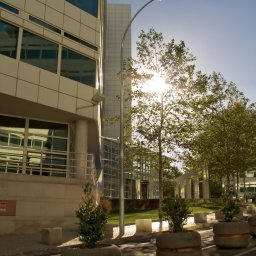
(46, 163)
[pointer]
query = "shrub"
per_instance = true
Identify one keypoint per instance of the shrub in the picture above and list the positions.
(92, 218)
(177, 211)
(106, 205)
(230, 207)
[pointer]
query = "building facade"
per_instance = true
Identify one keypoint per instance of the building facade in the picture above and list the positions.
(50, 100)
(117, 18)
(141, 181)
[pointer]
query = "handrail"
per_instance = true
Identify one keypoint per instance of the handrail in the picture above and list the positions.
(21, 160)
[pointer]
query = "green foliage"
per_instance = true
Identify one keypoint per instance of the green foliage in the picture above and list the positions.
(176, 211)
(168, 180)
(200, 120)
(230, 207)
(222, 138)
(156, 115)
(215, 188)
(92, 218)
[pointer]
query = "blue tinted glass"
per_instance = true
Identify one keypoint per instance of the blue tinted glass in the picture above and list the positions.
(9, 8)
(8, 39)
(33, 54)
(90, 6)
(81, 41)
(39, 52)
(44, 24)
(78, 67)
(49, 54)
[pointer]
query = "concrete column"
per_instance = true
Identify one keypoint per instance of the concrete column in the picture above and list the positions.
(196, 188)
(138, 189)
(81, 141)
(182, 190)
(177, 190)
(188, 189)
(206, 191)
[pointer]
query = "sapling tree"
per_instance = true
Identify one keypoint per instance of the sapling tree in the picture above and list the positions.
(92, 218)
(156, 120)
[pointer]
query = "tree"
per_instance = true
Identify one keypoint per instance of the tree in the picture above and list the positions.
(168, 180)
(92, 218)
(201, 120)
(223, 140)
(155, 119)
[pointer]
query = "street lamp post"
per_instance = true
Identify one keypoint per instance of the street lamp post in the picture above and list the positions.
(121, 198)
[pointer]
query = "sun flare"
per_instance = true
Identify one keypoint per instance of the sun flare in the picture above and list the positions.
(156, 84)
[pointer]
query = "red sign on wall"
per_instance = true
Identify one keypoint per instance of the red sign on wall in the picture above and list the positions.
(7, 207)
(3, 206)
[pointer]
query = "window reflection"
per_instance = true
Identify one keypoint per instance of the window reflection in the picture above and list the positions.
(39, 52)
(51, 139)
(11, 150)
(78, 67)
(42, 152)
(8, 39)
(90, 6)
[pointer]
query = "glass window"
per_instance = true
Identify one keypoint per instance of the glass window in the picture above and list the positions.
(78, 67)
(8, 39)
(51, 136)
(3, 138)
(95, 48)
(15, 140)
(39, 52)
(48, 147)
(11, 135)
(90, 6)
(9, 8)
(44, 24)
(43, 151)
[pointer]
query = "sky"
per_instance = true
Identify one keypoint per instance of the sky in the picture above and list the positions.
(220, 33)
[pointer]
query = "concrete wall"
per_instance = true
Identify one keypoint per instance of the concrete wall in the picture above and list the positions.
(40, 202)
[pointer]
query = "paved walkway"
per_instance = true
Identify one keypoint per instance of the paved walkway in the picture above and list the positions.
(30, 244)
(131, 244)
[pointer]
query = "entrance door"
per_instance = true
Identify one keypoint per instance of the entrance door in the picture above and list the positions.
(144, 190)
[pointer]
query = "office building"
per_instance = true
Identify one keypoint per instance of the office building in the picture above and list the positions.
(50, 98)
(141, 181)
(117, 18)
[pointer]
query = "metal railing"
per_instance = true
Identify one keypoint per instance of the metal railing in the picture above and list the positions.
(46, 163)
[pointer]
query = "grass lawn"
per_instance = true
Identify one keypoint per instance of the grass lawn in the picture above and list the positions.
(131, 216)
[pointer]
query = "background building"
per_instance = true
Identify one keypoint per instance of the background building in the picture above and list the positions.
(140, 178)
(50, 94)
(116, 19)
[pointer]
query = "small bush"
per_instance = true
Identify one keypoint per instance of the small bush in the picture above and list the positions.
(92, 218)
(177, 211)
(230, 207)
(106, 205)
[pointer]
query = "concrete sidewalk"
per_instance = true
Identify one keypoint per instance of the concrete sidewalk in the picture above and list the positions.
(131, 244)
(30, 244)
